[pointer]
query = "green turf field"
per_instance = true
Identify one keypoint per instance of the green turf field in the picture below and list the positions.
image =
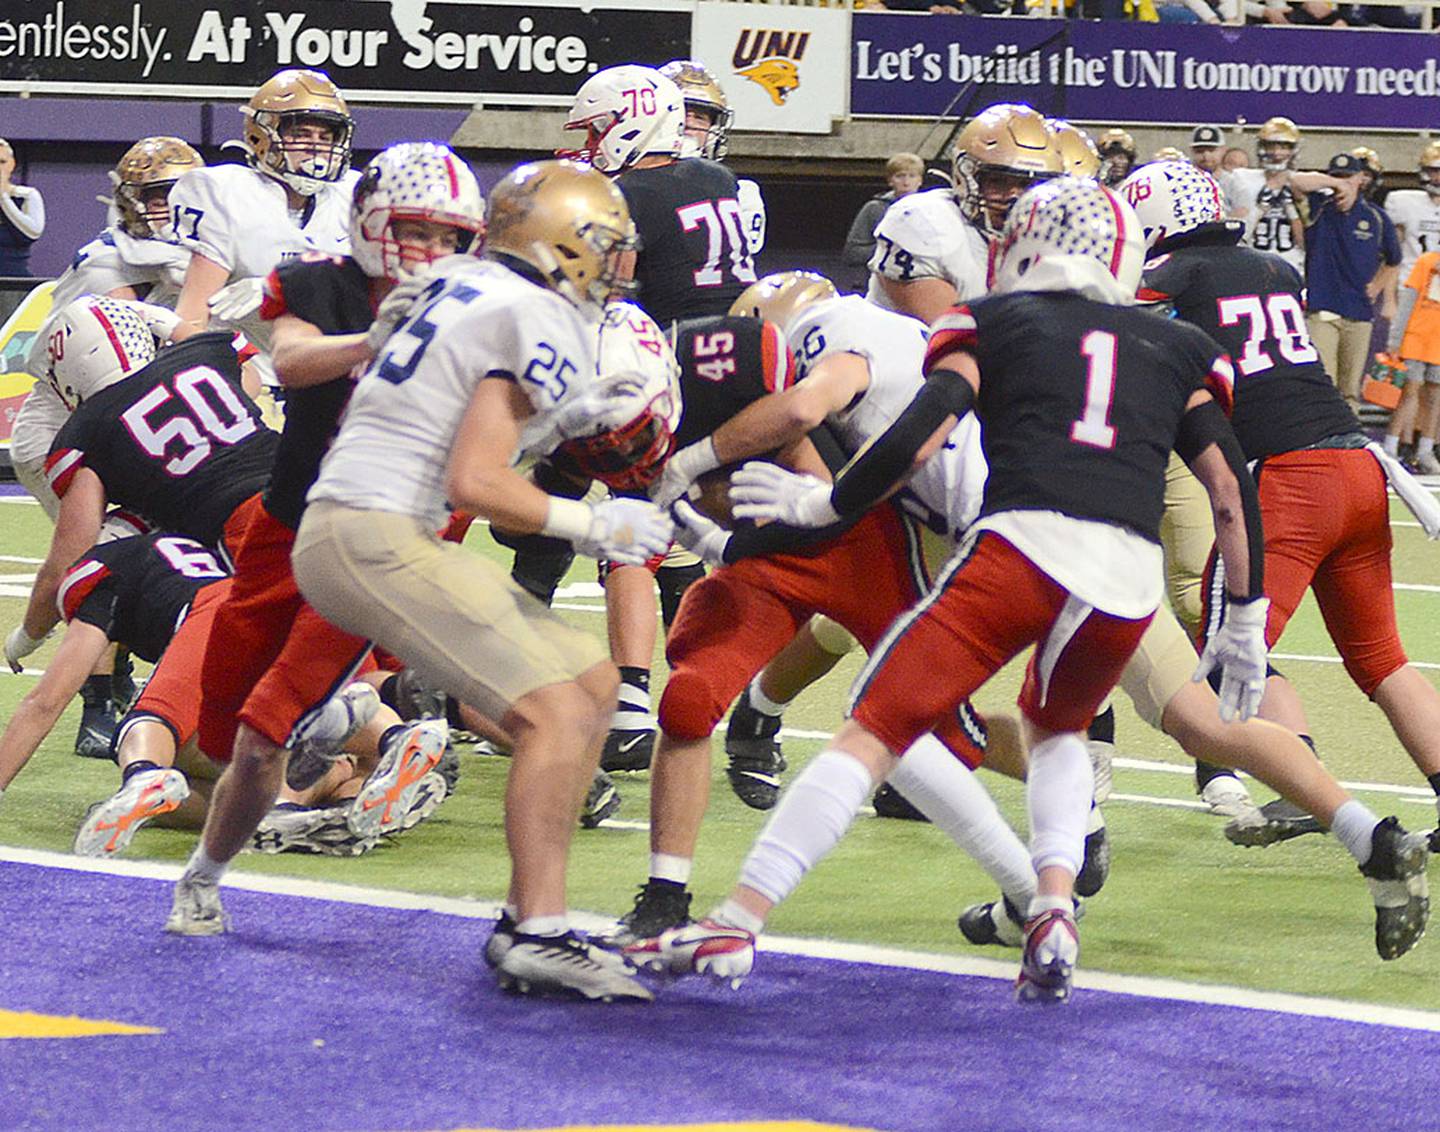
(1181, 902)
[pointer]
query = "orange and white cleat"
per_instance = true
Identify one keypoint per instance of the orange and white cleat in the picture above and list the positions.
(110, 825)
(386, 797)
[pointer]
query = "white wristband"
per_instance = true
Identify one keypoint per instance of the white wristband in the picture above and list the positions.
(698, 458)
(567, 518)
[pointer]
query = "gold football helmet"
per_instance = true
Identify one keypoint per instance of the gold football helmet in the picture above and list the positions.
(143, 179)
(1371, 159)
(1277, 143)
(702, 93)
(566, 221)
(1430, 169)
(1169, 153)
(284, 104)
(780, 297)
(1078, 154)
(1118, 154)
(999, 154)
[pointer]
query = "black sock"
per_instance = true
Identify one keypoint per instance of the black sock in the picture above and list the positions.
(1204, 772)
(673, 581)
(663, 885)
(1434, 780)
(97, 690)
(387, 692)
(1102, 727)
(138, 767)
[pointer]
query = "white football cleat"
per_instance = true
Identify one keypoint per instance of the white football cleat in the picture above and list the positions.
(701, 948)
(109, 825)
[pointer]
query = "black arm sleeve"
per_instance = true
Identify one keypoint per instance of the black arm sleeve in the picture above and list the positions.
(1201, 427)
(777, 538)
(887, 459)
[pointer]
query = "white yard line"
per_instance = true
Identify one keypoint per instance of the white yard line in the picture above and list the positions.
(1140, 987)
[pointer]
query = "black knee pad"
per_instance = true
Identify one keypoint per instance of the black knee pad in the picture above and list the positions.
(673, 582)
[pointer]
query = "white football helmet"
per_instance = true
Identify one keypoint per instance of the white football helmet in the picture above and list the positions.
(627, 113)
(1071, 234)
(622, 431)
(413, 181)
(1171, 197)
(94, 342)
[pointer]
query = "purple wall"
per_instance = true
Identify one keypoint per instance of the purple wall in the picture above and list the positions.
(66, 146)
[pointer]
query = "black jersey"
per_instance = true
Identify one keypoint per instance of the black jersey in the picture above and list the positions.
(1079, 402)
(726, 363)
(137, 590)
(333, 294)
(1250, 303)
(693, 258)
(178, 442)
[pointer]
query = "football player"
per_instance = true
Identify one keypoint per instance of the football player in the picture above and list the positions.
(1322, 492)
(932, 248)
(1078, 155)
(273, 662)
(134, 258)
(1080, 398)
(1118, 154)
(291, 196)
(492, 363)
(169, 436)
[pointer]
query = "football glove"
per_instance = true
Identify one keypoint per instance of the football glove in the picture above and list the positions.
(626, 531)
(683, 469)
(760, 490)
(699, 534)
(18, 645)
(162, 321)
(237, 301)
(1239, 651)
(393, 309)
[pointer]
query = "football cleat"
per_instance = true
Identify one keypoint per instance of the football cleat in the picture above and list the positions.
(1102, 760)
(890, 803)
(387, 795)
(566, 964)
(1395, 873)
(312, 756)
(628, 750)
(195, 908)
(448, 767)
(702, 948)
(1275, 821)
(659, 906)
(501, 940)
(109, 825)
(752, 742)
(1095, 869)
(97, 726)
(996, 922)
(1226, 796)
(602, 800)
(431, 791)
(414, 700)
(1047, 963)
(292, 828)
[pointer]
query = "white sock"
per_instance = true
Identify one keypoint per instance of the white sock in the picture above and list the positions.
(666, 866)
(203, 867)
(733, 915)
(544, 925)
(1392, 444)
(1352, 826)
(1058, 796)
(812, 816)
(763, 703)
(947, 792)
(1040, 904)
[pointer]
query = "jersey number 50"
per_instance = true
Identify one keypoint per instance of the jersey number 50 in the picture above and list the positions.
(187, 437)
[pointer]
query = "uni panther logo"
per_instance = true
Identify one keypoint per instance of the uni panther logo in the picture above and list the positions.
(771, 59)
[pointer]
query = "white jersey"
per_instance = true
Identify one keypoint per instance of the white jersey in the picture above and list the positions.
(1269, 215)
(925, 236)
(1417, 215)
(752, 214)
(399, 428)
(945, 492)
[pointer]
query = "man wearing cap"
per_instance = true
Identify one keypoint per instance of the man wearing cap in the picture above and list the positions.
(1207, 148)
(1353, 255)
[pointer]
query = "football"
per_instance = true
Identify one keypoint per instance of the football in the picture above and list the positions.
(710, 495)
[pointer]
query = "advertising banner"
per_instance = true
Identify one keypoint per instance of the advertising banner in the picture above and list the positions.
(523, 52)
(17, 337)
(1138, 73)
(780, 66)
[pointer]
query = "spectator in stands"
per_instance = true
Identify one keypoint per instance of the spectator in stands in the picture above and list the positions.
(903, 173)
(1186, 12)
(1207, 147)
(1354, 255)
(22, 217)
(1235, 158)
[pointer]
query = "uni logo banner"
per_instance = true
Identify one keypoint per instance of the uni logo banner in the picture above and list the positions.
(783, 68)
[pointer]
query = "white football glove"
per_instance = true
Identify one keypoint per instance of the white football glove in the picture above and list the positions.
(1239, 651)
(392, 311)
(760, 490)
(683, 469)
(699, 534)
(237, 301)
(18, 645)
(162, 321)
(626, 531)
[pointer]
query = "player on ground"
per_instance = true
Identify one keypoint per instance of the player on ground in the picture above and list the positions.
(1081, 399)
(495, 362)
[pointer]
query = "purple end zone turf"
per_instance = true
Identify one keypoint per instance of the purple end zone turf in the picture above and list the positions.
(417, 1036)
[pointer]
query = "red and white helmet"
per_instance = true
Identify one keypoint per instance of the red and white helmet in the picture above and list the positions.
(627, 113)
(94, 342)
(413, 181)
(1171, 197)
(1071, 234)
(625, 426)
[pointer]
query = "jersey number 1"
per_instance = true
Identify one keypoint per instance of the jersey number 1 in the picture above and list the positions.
(1094, 426)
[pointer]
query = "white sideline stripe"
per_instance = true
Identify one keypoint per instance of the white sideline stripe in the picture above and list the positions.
(1309, 659)
(28, 500)
(1138, 986)
(18, 558)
